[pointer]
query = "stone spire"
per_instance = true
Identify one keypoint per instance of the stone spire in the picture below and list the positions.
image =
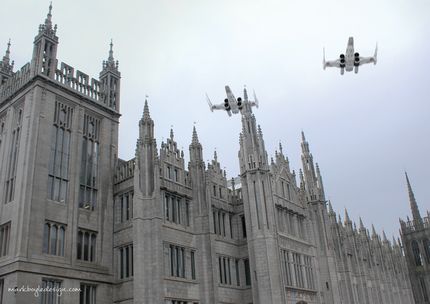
(414, 206)
(374, 235)
(47, 28)
(146, 124)
(110, 64)
(6, 67)
(330, 208)
(195, 138)
(361, 224)
(146, 115)
(384, 237)
(347, 219)
(44, 60)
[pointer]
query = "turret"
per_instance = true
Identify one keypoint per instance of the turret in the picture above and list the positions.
(110, 80)
(146, 154)
(6, 66)
(44, 60)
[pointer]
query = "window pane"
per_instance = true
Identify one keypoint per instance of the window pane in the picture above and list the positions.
(53, 239)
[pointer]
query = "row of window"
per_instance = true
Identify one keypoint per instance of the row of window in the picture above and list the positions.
(223, 223)
(176, 209)
(298, 270)
(285, 188)
(52, 293)
(291, 223)
(418, 255)
(124, 207)
(172, 174)
(126, 261)
(178, 262)
(58, 169)
(227, 266)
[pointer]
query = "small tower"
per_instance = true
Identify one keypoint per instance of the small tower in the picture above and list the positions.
(6, 66)
(44, 60)
(110, 81)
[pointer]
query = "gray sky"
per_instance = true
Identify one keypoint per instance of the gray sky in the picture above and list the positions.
(364, 129)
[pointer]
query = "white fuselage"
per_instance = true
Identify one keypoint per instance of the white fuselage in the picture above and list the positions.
(349, 55)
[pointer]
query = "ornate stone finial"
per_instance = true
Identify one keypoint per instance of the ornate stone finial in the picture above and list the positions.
(280, 147)
(260, 132)
(5, 65)
(110, 64)
(46, 28)
(195, 139)
(171, 133)
(146, 114)
(303, 136)
(215, 156)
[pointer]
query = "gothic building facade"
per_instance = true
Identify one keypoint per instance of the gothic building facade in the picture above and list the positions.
(155, 229)
(415, 235)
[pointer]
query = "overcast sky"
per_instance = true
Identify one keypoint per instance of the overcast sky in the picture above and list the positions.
(364, 129)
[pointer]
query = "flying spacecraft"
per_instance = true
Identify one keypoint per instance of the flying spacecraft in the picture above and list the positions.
(350, 60)
(231, 104)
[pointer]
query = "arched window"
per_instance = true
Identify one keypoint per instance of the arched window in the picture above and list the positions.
(426, 244)
(416, 253)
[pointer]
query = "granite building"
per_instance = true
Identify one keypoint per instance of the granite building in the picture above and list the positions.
(415, 235)
(155, 229)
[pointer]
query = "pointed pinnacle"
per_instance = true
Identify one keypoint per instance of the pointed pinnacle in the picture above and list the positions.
(373, 231)
(303, 136)
(215, 156)
(110, 58)
(171, 133)
(280, 147)
(330, 207)
(384, 236)
(245, 94)
(146, 110)
(361, 223)
(347, 220)
(48, 19)
(414, 206)
(195, 139)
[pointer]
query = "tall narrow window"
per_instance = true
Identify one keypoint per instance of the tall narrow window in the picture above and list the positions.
(237, 272)
(13, 156)
(417, 254)
(2, 134)
(89, 163)
(52, 294)
(86, 245)
(424, 290)
(126, 261)
(87, 294)
(247, 272)
(60, 153)
(177, 261)
(4, 239)
(193, 265)
(242, 220)
(426, 244)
